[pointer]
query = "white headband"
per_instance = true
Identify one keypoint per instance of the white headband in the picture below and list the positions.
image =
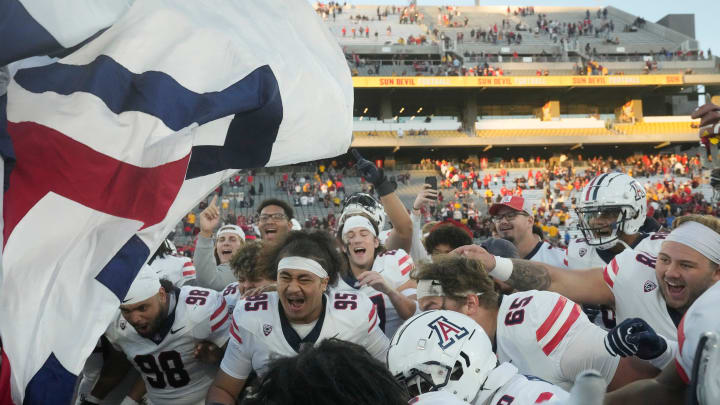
(233, 229)
(357, 221)
(146, 285)
(433, 288)
(699, 237)
(302, 263)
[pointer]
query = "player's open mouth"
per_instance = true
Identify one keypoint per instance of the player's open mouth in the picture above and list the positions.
(295, 304)
(359, 250)
(506, 228)
(675, 288)
(270, 230)
(226, 252)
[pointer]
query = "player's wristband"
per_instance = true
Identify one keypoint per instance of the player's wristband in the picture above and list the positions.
(503, 268)
(668, 355)
(129, 401)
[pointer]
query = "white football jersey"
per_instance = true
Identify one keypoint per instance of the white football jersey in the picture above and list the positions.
(260, 331)
(232, 295)
(521, 389)
(395, 266)
(547, 253)
(580, 256)
(166, 362)
(436, 398)
(631, 277)
(546, 335)
(703, 316)
(177, 270)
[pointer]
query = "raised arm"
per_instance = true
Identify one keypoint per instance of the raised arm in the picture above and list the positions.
(581, 286)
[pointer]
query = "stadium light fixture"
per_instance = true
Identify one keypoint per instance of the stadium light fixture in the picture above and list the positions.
(487, 148)
(579, 145)
(361, 118)
(395, 118)
(396, 149)
(662, 145)
(412, 118)
(418, 111)
(402, 109)
(365, 110)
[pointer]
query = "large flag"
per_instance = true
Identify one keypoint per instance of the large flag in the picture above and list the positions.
(118, 140)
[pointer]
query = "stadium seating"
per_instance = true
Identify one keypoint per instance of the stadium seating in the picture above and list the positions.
(641, 128)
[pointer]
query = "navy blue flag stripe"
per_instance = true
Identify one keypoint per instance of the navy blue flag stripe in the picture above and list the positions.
(53, 384)
(154, 93)
(22, 36)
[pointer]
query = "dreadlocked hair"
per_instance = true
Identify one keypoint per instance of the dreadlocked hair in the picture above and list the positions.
(335, 372)
(316, 245)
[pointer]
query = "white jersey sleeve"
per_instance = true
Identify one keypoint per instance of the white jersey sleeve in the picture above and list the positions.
(631, 278)
(361, 325)
(526, 390)
(212, 319)
(395, 266)
(237, 362)
(580, 256)
(232, 295)
(547, 335)
(703, 316)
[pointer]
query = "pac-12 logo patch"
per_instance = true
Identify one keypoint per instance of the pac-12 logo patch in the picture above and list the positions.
(447, 332)
(582, 251)
(267, 329)
(649, 286)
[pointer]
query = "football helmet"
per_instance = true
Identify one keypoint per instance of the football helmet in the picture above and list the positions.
(611, 202)
(363, 203)
(441, 350)
(705, 388)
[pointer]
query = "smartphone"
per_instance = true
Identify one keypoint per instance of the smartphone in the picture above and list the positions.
(432, 181)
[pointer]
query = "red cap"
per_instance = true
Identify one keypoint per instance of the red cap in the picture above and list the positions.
(513, 201)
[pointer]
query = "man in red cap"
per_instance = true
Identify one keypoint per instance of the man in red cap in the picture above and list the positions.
(513, 221)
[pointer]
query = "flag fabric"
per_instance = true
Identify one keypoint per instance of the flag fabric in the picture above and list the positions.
(117, 141)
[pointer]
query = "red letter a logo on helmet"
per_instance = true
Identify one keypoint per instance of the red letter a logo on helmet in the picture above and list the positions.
(448, 333)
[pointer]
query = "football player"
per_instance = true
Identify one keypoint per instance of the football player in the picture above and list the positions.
(300, 312)
(382, 275)
(250, 278)
(638, 283)
(173, 337)
(400, 237)
(542, 333)
(612, 212)
(696, 364)
(179, 271)
(448, 351)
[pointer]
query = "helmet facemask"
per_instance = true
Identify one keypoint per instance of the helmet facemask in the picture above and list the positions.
(600, 225)
(431, 376)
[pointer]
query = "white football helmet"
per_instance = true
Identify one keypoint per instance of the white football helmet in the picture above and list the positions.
(363, 203)
(611, 202)
(705, 386)
(441, 350)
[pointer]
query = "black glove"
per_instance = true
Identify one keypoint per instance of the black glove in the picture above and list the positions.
(634, 337)
(373, 175)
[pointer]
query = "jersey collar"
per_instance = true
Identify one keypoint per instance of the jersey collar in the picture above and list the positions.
(167, 324)
(607, 255)
(535, 250)
(291, 335)
(349, 279)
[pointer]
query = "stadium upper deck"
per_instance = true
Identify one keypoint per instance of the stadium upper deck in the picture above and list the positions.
(520, 42)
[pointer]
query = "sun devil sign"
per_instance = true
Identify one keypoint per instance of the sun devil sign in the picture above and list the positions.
(448, 333)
